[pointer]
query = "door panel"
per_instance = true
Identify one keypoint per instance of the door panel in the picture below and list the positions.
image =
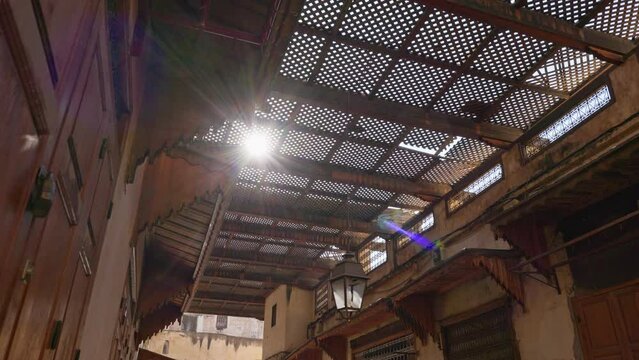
(608, 323)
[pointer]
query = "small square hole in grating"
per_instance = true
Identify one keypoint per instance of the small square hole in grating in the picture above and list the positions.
(251, 174)
(256, 220)
(428, 140)
(373, 194)
(301, 56)
(566, 70)
(471, 150)
(274, 249)
(279, 194)
(285, 179)
(333, 187)
(448, 171)
(251, 284)
(413, 83)
(324, 229)
(467, 90)
(352, 69)
(511, 54)
(323, 119)
(357, 155)
(405, 199)
(321, 202)
(230, 266)
(448, 37)
(404, 163)
(308, 146)
(292, 225)
(358, 209)
(278, 110)
(382, 22)
(573, 11)
(523, 108)
(377, 130)
(321, 13)
(220, 242)
(215, 134)
(618, 18)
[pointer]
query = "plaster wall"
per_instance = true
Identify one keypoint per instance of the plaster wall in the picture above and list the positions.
(204, 346)
(295, 310)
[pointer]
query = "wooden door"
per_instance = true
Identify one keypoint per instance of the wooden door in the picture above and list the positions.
(608, 323)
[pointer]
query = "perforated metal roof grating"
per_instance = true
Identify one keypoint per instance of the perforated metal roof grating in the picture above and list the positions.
(413, 83)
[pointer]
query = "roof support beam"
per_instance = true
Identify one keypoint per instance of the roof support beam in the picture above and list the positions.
(268, 279)
(297, 236)
(539, 25)
(243, 299)
(250, 258)
(406, 115)
(294, 215)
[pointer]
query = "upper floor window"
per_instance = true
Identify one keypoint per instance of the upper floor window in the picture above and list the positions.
(422, 226)
(373, 254)
(475, 188)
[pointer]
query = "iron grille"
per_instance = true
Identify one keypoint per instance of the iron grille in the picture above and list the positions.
(373, 254)
(422, 226)
(580, 113)
(489, 336)
(475, 188)
(402, 348)
(322, 297)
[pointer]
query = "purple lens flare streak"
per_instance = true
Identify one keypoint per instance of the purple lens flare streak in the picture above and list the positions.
(419, 239)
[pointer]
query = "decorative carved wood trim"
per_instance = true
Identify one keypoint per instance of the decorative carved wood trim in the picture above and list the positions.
(416, 312)
(508, 280)
(157, 320)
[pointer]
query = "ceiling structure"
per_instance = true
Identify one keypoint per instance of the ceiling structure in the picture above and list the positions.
(369, 109)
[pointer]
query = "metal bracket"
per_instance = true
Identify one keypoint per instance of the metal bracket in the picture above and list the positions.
(550, 280)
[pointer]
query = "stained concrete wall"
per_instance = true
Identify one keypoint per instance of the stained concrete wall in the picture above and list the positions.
(295, 310)
(204, 346)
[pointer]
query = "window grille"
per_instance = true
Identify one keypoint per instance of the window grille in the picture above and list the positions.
(475, 188)
(373, 254)
(580, 113)
(221, 322)
(321, 298)
(490, 334)
(402, 348)
(422, 226)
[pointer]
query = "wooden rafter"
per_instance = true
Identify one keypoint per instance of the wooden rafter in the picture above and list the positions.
(249, 276)
(406, 115)
(253, 258)
(235, 298)
(297, 236)
(539, 25)
(294, 215)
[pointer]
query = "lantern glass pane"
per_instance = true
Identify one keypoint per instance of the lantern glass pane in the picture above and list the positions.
(355, 292)
(338, 287)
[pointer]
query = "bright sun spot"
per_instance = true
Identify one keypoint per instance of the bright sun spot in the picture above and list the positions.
(256, 144)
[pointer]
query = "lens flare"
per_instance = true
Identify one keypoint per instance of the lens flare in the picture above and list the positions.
(256, 145)
(417, 238)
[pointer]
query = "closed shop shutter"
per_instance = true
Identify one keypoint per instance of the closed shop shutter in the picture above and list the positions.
(489, 336)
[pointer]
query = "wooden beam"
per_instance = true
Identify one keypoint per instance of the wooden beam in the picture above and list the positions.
(545, 27)
(406, 115)
(257, 259)
(294, 215)
(210, 29)
(236, 298)
(212, 276)
(216, 156)
(406, 55)
(297, 236)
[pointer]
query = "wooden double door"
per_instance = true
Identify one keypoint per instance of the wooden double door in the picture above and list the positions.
(608, 323)
(57, 124)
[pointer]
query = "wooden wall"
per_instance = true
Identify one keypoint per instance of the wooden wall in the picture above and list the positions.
(57, 112)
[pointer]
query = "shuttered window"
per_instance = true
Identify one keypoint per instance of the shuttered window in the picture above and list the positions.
(402, 348)
(489, 336)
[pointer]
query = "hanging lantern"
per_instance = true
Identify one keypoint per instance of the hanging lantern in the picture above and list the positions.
(348, 283)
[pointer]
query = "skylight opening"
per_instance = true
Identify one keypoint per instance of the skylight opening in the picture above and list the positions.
(419, 149)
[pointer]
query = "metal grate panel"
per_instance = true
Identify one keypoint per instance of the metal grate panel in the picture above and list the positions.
(321, 13)
(413, 83)
(305, 145)
(618, 18)
(382, 22)
(251, 174)
(377, 130)
(448, 37)
(425, 139)
(323, 119)
(471, 150)
(373, 194)
(333, 187)
(566, 70)
(402, 348)
(278, 110)
(572, 11)
(286, 179)
(405, 163)
(352, 69)
(523, 107)
(357, 155)
(405, 199)
(301, 56)
(468, 92)
(511, 54)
